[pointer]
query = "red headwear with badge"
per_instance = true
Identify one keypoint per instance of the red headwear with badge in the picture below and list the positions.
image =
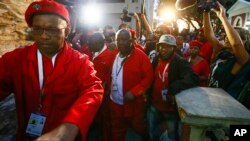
(46, 7)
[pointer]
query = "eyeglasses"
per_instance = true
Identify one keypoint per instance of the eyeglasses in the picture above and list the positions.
(47, 30)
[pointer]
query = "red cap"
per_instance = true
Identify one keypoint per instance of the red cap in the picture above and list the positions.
(195, 43)
(133, 33)
(46, 7)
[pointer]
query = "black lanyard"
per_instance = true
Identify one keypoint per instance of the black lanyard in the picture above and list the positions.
(122, 63)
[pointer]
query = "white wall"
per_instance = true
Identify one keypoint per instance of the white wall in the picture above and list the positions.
(112, 12)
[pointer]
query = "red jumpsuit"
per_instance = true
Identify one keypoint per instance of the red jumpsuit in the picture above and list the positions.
(137, 77)
(72, 93)
(103, 65)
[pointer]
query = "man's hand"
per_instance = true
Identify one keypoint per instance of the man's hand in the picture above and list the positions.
(65, 132)
(129, 97)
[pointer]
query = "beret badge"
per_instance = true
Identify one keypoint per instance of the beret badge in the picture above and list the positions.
(36, 6)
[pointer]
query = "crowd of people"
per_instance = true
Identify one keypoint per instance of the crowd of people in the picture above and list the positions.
(102, 83)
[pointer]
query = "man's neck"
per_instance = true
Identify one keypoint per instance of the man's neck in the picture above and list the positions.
(126, 54)
(123, 55)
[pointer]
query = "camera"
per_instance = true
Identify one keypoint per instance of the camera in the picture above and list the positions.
(207, 5)
(126, 16)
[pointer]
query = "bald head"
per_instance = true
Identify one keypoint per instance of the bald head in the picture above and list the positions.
(124, 32)
(124, 42)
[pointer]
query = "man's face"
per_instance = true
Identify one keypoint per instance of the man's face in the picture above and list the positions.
(124, 42)
(49, 33)
(194, 50)
(166, 51)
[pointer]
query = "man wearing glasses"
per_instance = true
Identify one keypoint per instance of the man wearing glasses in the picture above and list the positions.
(56, 91)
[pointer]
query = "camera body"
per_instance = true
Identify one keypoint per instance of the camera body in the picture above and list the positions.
(207, 5)
(126, 16)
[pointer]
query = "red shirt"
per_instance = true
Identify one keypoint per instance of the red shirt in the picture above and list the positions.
(202, 69)
(84, 49)
(206, 52)
(159, 85)
(139, 46)
(103, 64)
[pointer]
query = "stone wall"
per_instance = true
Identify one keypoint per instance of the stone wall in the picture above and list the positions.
(13, 29)
(12, 35)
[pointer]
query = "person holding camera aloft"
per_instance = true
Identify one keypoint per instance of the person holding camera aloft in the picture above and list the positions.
(232, 64)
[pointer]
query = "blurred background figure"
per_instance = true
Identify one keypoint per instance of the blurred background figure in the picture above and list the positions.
(199, 65)
(102, 58)
(231, 68)
(182, 46)
(206, 50)
(109, 34)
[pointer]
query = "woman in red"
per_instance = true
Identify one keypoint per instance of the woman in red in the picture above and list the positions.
(199, 65)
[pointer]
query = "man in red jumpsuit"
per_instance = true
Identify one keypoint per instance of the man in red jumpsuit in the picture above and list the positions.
(56, 91)
(103, 58)
(132, 75)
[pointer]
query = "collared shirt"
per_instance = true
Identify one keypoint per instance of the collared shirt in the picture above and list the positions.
(117, 80)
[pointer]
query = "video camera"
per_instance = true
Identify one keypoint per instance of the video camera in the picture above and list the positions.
(126, 16)
(207, 5)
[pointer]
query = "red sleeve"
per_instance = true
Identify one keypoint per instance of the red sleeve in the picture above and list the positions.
(147, 79)
(84, 109)
(6, 84)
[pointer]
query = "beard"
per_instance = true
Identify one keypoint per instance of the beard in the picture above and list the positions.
(125, 50)
(166, 56)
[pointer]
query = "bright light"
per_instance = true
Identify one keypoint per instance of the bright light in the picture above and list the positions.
(168, 14)
(181, 25)
(91, 14)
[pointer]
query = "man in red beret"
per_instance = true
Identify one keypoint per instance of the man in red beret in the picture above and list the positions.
(56, 90)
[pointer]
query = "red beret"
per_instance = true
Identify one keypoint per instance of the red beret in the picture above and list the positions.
(46, 7)
(195, 43)
(133, 33)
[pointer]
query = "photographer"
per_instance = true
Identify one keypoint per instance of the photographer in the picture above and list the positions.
(126, 17)
(232, 64)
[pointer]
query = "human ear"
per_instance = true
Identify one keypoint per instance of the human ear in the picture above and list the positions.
(67, 31)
